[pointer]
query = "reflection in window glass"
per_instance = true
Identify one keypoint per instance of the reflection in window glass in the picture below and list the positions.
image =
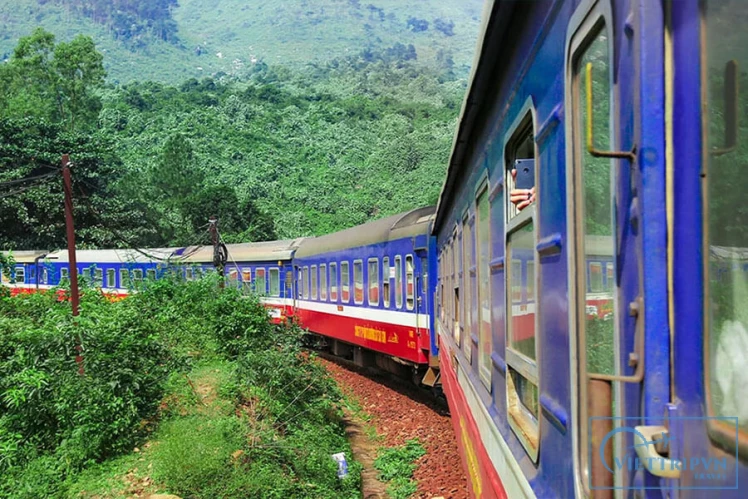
(358, 281)
(398, 282)
(345, 282)
(20, 275)
(467, 251)
(137, 275)
(386, 281)
(727, 226)
(314, 282)
(456, 283)
(596, 277)
(409, 282)
(99, 278)
(124, 277)
(522, 317)
(333, 282)
(373, 282)
(516, 280)
(274, 282)
(530, 280)
(306, 283)
(483, 235)
(323, 282)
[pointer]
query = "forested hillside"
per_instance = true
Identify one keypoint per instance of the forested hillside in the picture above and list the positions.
(275, 152)
(171, 40)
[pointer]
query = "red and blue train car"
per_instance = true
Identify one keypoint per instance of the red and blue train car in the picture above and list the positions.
(630, 382)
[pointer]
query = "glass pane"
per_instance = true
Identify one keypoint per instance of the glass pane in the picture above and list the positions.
(522, 316)
(398, 282)
(373, 282)
(727, 212)
(323, 282)
(467, 243)
(597, 208)
(386, 281)
(358, 281)
(333, 282)
(485, 341)
(124, 277)
(456, 283)
(260, 282)
(274, 282)
(409, 282)
(345, 279)
(306, 282)
(99, 278)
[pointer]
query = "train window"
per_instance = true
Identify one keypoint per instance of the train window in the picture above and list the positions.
(410, 286)
(333, 282)
(137, 275)
(45, 276)
(609, 277)
(306, 283)
(20, 275)
(274, 282)
(456, 283)
(323, 282)
(424, 276)
(373, 281)
(260, 282)
(521, 348)
(596, 277)
(725, 228)
(345, 282)
(483, 271)
(358, 281)
(246, 277)
(399, 281)
(386, 281)
(151, 273)
(467, 251)
(111, 278)
(99, 278)
(124, 278)
(314, 282)
(289, 282)
(300, 283)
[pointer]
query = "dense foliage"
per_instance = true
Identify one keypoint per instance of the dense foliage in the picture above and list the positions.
(55, 422)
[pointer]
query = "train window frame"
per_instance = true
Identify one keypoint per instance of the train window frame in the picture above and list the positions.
(410, 297)
(593, 264)
(274, 281)
(45, 276)
(333, 281)
(345, 282)
(399, 298)
(386, 299)
(314, 281)
(323, 282)
(305, 281)
(358, 280)
(522, 371)
(150, 274)
(246, 276)
(467, 239)
(188, 274)
(457, 277)
(370, 282)
(483, 248)
(19, 271)
(98, 277)
(124, 278)
(137, 275)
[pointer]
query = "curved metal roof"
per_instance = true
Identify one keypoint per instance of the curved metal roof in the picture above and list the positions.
(24, 256)
(265, 251)
(114, 255)
(408, 224)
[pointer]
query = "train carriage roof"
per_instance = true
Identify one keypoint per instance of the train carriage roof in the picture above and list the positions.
(265, 251)
(115, 255)
(409, 224)
(25, 256)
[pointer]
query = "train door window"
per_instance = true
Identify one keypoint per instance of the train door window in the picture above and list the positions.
(306, 283)
(399, 281)
(274, 282)
(483, 239)
(596, 277)
(409, 282)
(345, 282)
(386, 281)
(137, 275)
(373, 281)
(333, 282)
(260, 281)
(314, 282)
(124, 277)
(724, 222)
(358, 281)
(521, 347)
(20, 275)
(111, 278)
(323, 282)
(467, 250)
(151, 273)
(188, 276)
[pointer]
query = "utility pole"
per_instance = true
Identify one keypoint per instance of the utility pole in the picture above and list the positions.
(219, 258)
(73, 264)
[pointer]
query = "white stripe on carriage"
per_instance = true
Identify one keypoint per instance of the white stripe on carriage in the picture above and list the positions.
(407, 319)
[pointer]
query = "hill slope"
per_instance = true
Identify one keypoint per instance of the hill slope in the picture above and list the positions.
(227, 36)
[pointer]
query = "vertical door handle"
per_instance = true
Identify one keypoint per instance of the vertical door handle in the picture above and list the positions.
(646, 439)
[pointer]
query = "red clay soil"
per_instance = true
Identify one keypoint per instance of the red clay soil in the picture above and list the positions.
(399, 417)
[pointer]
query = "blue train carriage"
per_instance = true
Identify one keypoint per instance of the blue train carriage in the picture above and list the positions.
(263, 268)
(605, 99)
(23, 275)
(366, 291)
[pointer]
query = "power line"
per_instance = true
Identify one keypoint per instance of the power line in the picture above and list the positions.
(42, 176)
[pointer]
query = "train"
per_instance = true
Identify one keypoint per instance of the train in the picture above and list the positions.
(591, 340)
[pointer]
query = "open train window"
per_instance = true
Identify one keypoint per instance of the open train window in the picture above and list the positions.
(521, 347)
(386, 281)
(323, 282)
(137, 275)
(333, 282)
(345, 282)
(373, 281)
(358, 282)
(274, 282)
(399, 281)
(410, 285)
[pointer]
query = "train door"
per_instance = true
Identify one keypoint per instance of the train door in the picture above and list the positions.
(619, 325)
(708, 417)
